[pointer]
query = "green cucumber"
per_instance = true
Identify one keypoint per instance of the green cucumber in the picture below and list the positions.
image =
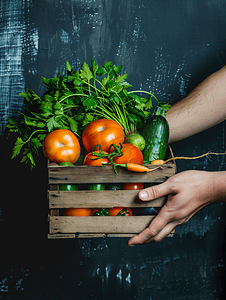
(156, 135)
(97, 186)
(68, 187)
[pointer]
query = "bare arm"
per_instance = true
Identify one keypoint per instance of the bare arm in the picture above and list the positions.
(188, 191)
(203, 108)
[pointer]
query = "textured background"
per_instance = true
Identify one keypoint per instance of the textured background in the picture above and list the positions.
(166, 47)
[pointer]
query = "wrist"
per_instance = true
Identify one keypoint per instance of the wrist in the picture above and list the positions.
(219, 186)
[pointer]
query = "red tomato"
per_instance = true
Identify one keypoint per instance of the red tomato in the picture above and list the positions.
(61, 145)
(120, 211)
(133, 186)
(103, 132)
(90, 161)
(131, 154)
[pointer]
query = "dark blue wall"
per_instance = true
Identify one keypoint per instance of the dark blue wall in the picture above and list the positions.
(166, 47)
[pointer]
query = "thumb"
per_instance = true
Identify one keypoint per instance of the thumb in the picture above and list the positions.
(155, 192)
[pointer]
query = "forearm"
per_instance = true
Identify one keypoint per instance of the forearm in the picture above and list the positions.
(219, 186)
(203, 108)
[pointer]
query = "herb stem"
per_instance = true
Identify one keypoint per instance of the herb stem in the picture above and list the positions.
(140, 91)
(32, 135)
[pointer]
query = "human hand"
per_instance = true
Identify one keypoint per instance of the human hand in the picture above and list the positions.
(188, 192)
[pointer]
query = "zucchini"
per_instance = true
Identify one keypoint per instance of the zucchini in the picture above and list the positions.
(156, 135)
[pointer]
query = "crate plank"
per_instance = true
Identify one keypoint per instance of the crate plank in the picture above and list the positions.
(95, 199)
(117, 224)
(94, 235)
(62, 236)
(80, 174)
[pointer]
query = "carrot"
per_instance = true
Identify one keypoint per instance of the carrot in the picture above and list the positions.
(118, 152)
(158, 162)
(161, 162)
(137, 168)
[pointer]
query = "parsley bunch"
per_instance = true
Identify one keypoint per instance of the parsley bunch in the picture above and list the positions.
(74, 100)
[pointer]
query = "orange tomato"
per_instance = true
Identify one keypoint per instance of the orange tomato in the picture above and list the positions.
(133, 186)
(61, 145)
(79, 212)
(120, 211)
(90, 161)
(103, 132)
(131, 154)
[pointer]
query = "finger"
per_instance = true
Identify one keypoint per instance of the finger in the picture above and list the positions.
(157, 224)
(155, 192)
(163, 233)
(144, 237)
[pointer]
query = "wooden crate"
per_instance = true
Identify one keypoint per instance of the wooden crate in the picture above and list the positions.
(61, 226)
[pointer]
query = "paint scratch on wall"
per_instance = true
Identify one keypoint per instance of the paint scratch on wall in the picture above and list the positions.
(14, 45)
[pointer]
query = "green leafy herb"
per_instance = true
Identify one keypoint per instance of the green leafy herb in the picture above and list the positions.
(74, 100)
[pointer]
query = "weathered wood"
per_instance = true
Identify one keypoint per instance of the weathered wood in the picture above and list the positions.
(61, 236)
(104, 174)
(54, 211)
(77, 199)
(118, 224)
(93, 235)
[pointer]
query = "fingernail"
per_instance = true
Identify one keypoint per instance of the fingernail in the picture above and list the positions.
(132, 245)
(143, 195)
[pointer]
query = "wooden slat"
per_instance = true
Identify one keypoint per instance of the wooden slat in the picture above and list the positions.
(77, 199)
(118, 224)
(94, 235)
(104, 174)
(61, 236)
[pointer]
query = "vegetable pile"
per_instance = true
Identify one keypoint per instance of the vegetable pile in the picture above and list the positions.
(73, 101)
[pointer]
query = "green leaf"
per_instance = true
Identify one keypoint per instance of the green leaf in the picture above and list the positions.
(104, 81)
(117, 69)
(66, 164)
(51, 124)
(36, 142)
(12, 125)
(45, 80)
(28, 158)
(57, 106)
(30, 97)
(41, 136)
(114, 98)
(29, 122)
(165, 105)
(148, 104)
(121, 79)
(90, 102)
(41, 124)
(88, 119)
(108, 66)
(101, 71)
(48, 98)
(68, 66)
(85, 72)
(73, 124)
(132, 118)
(46, 108)
(94, 67)
(17, 147)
